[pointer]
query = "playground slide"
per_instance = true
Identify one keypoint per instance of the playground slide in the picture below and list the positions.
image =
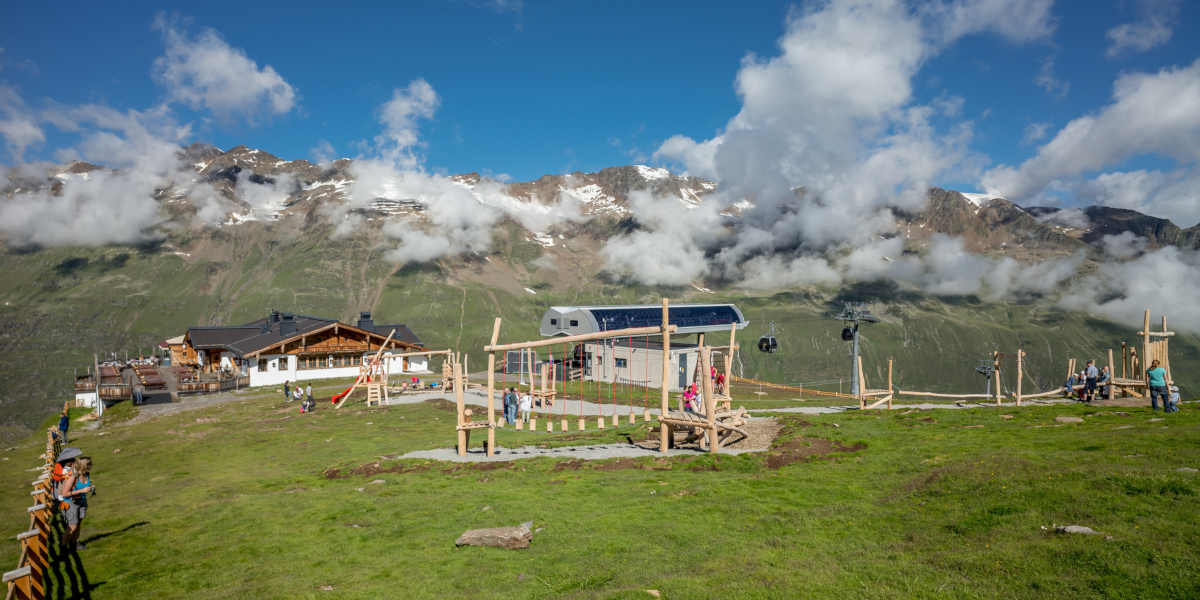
(337, 397)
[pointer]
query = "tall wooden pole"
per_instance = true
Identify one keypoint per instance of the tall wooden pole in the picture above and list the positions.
(1166, 360)
(996, 375)
(664, 429)
(1020, 354)
(458, 397)
(862, 385)
(710, 401)
(1112, 374)
(1147, 356)
(890, 388)
(491, 391)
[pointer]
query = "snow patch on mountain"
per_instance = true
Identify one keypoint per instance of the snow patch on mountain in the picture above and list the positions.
(978, 199)
(651, 174)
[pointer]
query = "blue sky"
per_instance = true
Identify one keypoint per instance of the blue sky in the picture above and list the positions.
(529, 88)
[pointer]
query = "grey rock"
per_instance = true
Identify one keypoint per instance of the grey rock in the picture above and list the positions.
(1077, 529)
(511, 538)
(1187, 470)
(1155, 420)
(1068, 419)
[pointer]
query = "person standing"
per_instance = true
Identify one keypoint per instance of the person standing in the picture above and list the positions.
(64, 422)
(1156, 382)
(526, 407)
(308, 392)
(75, 491)
(1105, 383)
(510, 405)
(138, 394)
(287, 391)
(1093, 374)
(1173, 401)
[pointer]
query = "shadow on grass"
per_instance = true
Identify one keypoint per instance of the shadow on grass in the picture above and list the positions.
(101, 536)
(67, 579)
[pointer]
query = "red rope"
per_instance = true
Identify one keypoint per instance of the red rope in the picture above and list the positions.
(646, 400)
(629, 369)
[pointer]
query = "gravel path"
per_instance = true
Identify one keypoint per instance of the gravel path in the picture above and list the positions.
(827, 410)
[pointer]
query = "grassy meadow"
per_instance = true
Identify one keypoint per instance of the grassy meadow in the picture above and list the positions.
(250, 499)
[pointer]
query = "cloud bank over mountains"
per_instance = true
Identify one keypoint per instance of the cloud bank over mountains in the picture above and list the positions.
(828, 146)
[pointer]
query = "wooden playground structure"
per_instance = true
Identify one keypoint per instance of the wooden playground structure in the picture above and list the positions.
(373, 375)
(1132, 380)
(711, 423)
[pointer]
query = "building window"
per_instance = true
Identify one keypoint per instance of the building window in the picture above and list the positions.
(574, 323)
(622, 363)
(262, 365)
(554, 321)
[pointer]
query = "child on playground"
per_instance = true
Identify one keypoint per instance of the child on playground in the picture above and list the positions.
(1173, 401)
(287, 394)
(74, 491)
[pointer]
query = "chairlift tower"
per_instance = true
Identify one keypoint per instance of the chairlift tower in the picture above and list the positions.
(987, 368)
(852, 314)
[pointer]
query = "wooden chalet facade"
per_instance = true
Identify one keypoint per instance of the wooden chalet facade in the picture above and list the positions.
(291, 347)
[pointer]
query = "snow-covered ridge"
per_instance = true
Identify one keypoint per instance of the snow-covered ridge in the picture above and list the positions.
(978, 199)
(650, 173)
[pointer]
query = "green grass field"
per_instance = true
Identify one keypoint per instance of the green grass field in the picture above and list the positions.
(252, 500)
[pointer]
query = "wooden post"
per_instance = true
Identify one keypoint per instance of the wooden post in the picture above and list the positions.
(890, 388)
(458, 397)
(862, 385)
(996, 375)
(491, 391)
(710, 401)
(1147, 356)
(664, 429)
(1020, 354)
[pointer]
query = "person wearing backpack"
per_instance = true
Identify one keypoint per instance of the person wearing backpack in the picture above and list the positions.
(74, 491)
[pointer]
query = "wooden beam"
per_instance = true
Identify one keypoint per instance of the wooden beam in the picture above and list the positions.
(585, 337)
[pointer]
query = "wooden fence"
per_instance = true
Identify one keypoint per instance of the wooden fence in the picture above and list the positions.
(28, 580)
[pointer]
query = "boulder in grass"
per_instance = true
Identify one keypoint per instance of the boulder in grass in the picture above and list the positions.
(1077, 529)
(511, 538)
(1187, 470)
(1068, 419)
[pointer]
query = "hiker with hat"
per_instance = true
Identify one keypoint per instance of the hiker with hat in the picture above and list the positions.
(74, 492)
(62, 468)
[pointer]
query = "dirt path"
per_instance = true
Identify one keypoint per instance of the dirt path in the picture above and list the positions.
(158, 409)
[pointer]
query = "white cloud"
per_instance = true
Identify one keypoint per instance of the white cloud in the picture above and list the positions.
(401, 137)
(1151, 114)
(18, 125)
(1047, 80)
(1035, 132)
(106, 208)
(1163, 281)
(205, 72)
(833, 113)
(1152, 30)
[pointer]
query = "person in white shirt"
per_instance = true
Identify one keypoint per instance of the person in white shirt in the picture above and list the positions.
(526, 406)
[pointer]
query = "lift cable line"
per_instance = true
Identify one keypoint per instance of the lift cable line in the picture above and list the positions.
(852, 314)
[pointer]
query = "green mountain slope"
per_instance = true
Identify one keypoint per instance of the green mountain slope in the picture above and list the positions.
(61, 305)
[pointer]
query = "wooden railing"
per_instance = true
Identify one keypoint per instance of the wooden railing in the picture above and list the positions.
(28, 580)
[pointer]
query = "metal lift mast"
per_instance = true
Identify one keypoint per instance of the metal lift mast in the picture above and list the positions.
(852, 314)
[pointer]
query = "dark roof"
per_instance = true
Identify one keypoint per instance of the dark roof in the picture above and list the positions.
(403, 333)
(268, 331)
(304, 325)
(624, 317)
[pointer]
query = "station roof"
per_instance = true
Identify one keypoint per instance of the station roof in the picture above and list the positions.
(687, 318)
